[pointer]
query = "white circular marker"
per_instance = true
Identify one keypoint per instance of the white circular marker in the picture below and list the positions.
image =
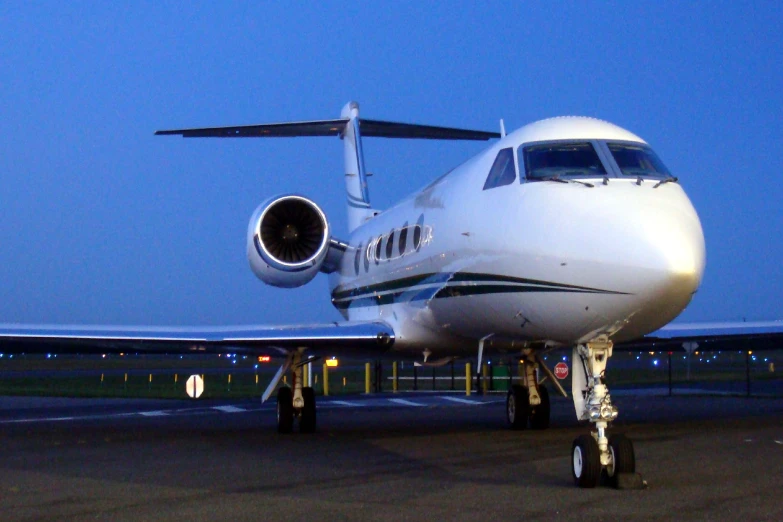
(561, 370)
(194, 386)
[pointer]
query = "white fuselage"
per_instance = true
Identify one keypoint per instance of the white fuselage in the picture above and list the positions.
(530, 261)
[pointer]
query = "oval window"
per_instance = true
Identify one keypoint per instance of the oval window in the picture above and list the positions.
(403, 238)
(390, 245)
(416, 236)
(378, 249)
(367, 256)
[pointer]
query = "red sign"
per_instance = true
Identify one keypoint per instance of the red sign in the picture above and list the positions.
(561, 370)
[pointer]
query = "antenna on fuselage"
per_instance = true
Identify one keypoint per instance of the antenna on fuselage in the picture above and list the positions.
(502, 129)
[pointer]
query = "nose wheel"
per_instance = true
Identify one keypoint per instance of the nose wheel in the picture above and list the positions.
(597, 454)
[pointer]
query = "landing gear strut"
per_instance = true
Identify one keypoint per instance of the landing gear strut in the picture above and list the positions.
(597, 454)
(528, 402)
(296, 402)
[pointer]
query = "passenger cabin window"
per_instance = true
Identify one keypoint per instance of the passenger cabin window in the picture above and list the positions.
(637, 160)
(561, 160)
(502, 171)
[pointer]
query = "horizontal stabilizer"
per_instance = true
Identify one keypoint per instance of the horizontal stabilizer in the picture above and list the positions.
(375, 128)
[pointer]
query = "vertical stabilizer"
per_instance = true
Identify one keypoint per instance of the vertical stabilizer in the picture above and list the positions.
(358, 197)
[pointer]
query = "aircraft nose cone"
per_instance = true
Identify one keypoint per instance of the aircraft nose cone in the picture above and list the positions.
(672, 259)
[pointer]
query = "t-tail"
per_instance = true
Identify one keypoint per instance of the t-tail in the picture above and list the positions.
(351, 129)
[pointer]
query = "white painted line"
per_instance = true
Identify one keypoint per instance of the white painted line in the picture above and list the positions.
(228, 409)
(153, 413)
(347, 403)
(462, 401)
(406, 402)
(45, 419)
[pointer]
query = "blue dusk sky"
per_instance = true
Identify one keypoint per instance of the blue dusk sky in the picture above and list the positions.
(104, 223)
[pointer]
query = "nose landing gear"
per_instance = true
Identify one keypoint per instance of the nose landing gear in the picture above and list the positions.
(597, 454)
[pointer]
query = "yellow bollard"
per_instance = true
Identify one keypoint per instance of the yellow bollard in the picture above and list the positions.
(228, 388)
(394, 376)
(285, 380)
(468, 379)
(326, 380)
(484, 378)
(175, 378)
(771, 367)
(344, 382)
(367, 378)
(256, 380)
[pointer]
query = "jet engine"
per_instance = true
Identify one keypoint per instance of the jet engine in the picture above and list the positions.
(288, 240)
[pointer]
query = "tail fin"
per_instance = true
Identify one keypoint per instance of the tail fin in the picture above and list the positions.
(350, 129)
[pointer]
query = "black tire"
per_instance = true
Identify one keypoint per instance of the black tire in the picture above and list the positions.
(307, 420)
(586, 462)
(285, 410)
(539, 415)
(517, 407)
(623, 458)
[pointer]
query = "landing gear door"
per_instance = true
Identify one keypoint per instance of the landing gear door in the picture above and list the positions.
(578, 383)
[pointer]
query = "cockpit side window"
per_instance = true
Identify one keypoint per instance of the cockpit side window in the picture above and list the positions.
(637, 160)
(502, 171)
(561, 160)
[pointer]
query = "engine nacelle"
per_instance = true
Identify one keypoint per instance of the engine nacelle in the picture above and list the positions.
(287, 240)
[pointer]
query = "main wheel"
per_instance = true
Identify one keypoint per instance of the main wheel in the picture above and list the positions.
(623, 458)
(307, 420)
(586, 462)
(539, 415)
(517, 407)
(285, 410)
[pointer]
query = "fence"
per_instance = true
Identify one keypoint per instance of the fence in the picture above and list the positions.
(738, 372)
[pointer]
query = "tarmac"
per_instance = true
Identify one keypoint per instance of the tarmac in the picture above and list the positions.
(380, 457)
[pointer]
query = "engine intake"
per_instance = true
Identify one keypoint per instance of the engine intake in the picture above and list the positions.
(288, 240)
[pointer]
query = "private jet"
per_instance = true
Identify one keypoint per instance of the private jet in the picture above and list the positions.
(569, 232)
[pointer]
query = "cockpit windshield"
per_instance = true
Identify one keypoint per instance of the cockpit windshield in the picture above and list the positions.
(638, 160)
(561, 160)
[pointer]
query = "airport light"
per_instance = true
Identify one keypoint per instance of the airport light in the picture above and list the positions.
(264, 358)
(331, 363)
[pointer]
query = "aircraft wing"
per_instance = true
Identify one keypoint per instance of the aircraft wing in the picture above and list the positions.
(365, 338)
(758, 335)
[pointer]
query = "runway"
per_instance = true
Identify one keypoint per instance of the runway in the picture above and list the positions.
(424, 457)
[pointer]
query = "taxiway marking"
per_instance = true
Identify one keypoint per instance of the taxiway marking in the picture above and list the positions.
(157, 413)
(229, 409)
(461, 401)
(347, 403)
(405, 402)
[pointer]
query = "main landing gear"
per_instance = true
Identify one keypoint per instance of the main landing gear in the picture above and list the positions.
(528, 403)
(296, 402)
(596, 455)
